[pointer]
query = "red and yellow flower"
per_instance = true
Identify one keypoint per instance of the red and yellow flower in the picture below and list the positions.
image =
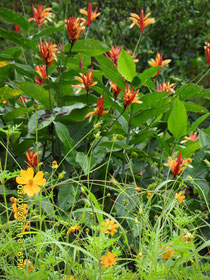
(130, 96)
(108, 260)
(113, 55)
(41, 70)
(22, 99)
(140, 20)
(167, 87)
(178, 165)
(75, 27)
(115, 89)
(86, 81)
(193, 137)
(207, 48)
(40, 14)
(91, 15)
(48, 52)
(158, 61)
(188, 237)
(98, 110)
(32, 159)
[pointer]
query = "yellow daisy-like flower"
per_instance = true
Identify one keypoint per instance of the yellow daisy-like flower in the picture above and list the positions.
(31, 183)
(168, 253)
(109, 226)
(72, 229)
(108, 260)
(179, 197)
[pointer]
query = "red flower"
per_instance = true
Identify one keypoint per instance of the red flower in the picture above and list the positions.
(91, 15)
(167, 87)
(130, 96)
(40, 15)
(41, 70)
(177, 166)
(98, 110)
(140, 20)
(158, 61)
(31, 159)
(87, 81)
(75, 28)
(115, 89)
(113, 55)
(22, 99)
(17, 28)
(207, 48)
(48, 52)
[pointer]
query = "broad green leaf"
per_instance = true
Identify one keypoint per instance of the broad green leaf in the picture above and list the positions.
(103, 60)
(36, 91)
(7, 191)
(204, 139)
(18, 39)
(189, 91)
(15, 18)
(8, 93)
(142, 136)
(83, 161)
(74, 62)
(193, 107)
(67, 196)
(177, 122)
(24, 69)
(142, 78)
(46, 122)
(126, 66)
(90, 47)
(14, 52)
(198, 122)
(190, 149)
(47, 205)
(18, 112)
(47, 31)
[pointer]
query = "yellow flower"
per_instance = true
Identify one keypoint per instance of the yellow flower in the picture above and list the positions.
(54, 164)
(109, 227)
(72, 229)
(27, 264)
(26, 227)
(179, 197)
(188, 237)
(16, 209)
(140, 20)
(31, 183)
(139, 255)
(108, 260)
(168, 253)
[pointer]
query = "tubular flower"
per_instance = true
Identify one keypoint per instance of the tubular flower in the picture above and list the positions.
(22, 99)
(98, 110)
(130, 96)
(28, 264)
(41, 70)
(113, 55)
(179, 165)
(158, 61)
(31, 183)
(40, 15)
(108, 260)
(179, 197)
(133, 56)
(165, 87)
(31, 159)
(48, 52)
(75, 28)
(17, 28)
(26, 227)
(19, 211)
(87, 81)
(168, 253)
(115, 89)
(207, 48)
(140, 20)
(91, 15)
(109, 226)
(193, 137)
(72, 229)
(188, 237)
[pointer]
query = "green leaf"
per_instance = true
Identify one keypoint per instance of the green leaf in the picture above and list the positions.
(90, 47)
(18, 112)
(193, 107)
(177, 122)
(83, 161)
(190, 149)
(198, 122)
(35, 91)
(23, 69)
(7, 191)
(191, 90)
(46, 122)
(67, 196)
(47, 32)
(142, 136)
(204, 139)
(18, 39)
(126, 66)
(15, 18)
(142, 78)
(103, 60)
(74, 62)
(8, 93)
(14, 52)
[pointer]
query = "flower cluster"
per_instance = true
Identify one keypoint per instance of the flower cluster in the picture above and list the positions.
(40, 14)
(86, 81)
(99, 110)
(130, 96)
(140, 20)
(178, 165)
(48, 52)
(91, 15)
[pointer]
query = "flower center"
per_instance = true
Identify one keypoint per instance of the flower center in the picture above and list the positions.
(31, 181)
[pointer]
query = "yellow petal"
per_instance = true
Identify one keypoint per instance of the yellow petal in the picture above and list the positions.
(30, 172)
(21, 180)
(84, 12)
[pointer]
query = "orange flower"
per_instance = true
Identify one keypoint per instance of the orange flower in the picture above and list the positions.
(41, 70)
(139, 255)
(165, 87)
(98, 110)
(31, 183)
(168, 253)
(75, 28)
(91, 15)
(48, 52)
(72, 229)
(113, 55)
(193, 137)
(71, 278)
(158, 61)
(32, 159)
(5, 101)
(188, 237)
(40, 15)
(109, 227)
(207, 48)
(108, 260)
(149, 194)
(21, 209)
(26, 227)
(54, 164)
(176, 166)
(87, 81)
(130, 96)
(115, 89)
(140, 20)
(28, 264)
(179, 197)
